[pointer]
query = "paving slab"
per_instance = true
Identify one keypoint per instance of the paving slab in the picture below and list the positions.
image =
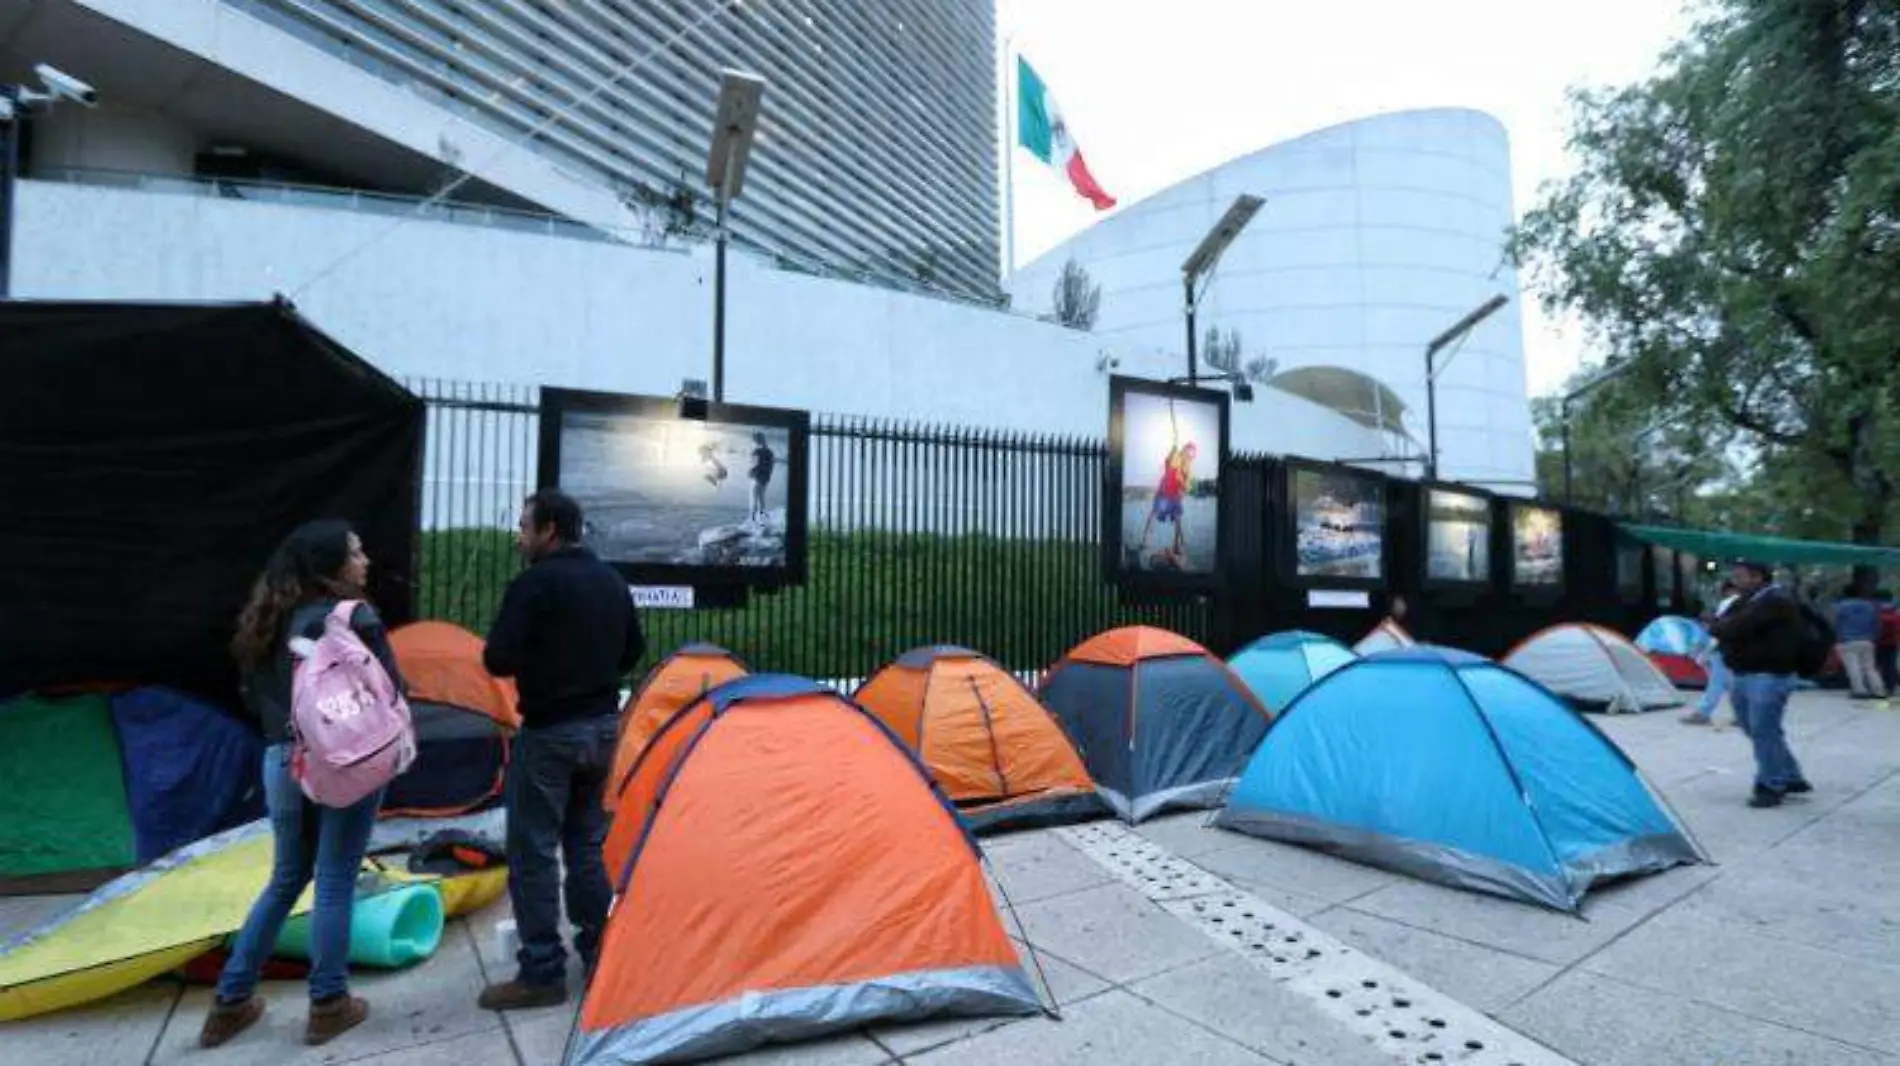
(1187, 834)
(1238, 1000)
(1829, 909)
(1038, 865)
(473, 1049)
(429, 1003)
(1482, 977)
(21, 913)
(1774, 980)
(1112, 1029)
(1113, 933)
(1607, 1023)
(1518, 928)
(1292, 868)
(542, 1034)
(122, 1029)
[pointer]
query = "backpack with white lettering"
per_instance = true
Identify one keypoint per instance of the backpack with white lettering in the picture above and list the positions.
(352, 727)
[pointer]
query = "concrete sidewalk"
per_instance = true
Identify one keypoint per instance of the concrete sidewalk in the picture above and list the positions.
(1787, 952)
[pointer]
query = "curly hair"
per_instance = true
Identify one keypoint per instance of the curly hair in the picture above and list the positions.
(307, 566)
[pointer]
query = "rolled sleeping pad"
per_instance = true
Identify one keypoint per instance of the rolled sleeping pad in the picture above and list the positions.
(387, 930)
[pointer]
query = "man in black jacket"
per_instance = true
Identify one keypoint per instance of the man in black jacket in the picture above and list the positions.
(568, 633)
(1760, 638)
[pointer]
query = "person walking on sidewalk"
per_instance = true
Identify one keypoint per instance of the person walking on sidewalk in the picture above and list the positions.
(1857, 634)
(568, 633)
(1719, 675)
(317, 567)
(1761, 639)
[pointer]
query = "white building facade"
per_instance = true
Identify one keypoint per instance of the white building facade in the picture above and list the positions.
(551, 277)
(1376, 236)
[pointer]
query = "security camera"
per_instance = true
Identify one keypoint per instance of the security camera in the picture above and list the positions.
(65, 86)
(1107, 362)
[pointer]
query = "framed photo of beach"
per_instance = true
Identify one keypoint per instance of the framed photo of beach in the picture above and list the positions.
(671, 500)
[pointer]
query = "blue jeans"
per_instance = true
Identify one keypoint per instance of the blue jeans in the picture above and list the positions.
(555, 779)
(312, 841)
(1760, 702)
(1719, 680)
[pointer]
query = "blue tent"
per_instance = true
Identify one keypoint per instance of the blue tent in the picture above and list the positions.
(1449, 767)
(191, 770)
(1161, 723)
(1280, 667)
(1673, 634)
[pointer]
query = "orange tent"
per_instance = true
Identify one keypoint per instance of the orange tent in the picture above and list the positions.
(795, 874)
(997, 753)
(678, 680)
(464, 717)
(1161, 722)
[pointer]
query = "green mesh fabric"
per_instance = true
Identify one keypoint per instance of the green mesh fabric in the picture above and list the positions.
(62, 789)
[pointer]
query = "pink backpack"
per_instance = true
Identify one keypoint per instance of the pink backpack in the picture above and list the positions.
(352, 728)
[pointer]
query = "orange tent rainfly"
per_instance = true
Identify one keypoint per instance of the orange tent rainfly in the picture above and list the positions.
(464, 718)
(999, 754)
(1160, 721)
(795, 874)
(681, 678)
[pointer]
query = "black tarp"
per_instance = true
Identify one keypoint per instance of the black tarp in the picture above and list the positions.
(152, 455)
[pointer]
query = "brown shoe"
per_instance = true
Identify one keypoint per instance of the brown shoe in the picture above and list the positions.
(228, 1020)
(332, 1018)
(518, 995)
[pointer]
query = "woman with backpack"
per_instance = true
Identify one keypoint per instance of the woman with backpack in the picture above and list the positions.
(320, 566)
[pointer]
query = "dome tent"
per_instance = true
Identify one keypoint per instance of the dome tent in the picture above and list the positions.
(775, 822)
(1593, 667)
(1449, 767)
(1281, 666)
(1385, 636)
(1674, 644)
(464, 718)
(668, 688)
(999, 755)
(1160, 721)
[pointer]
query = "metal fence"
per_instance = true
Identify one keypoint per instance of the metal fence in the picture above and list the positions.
(919, 535)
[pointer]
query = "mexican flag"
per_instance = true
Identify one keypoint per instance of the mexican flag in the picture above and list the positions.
(1042, 131)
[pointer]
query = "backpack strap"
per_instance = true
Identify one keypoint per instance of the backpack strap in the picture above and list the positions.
(345, 610)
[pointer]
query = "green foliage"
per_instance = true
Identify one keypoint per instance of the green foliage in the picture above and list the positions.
(1733, 235)
(869, 596)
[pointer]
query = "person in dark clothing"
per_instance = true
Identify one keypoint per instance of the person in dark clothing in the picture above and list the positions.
(319, 565)
(1761, 640)
(763, 462)
(567, 633)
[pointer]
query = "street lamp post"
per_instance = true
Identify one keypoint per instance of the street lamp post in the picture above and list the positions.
(1458, 329)
(1201, 264)
(17, 103)
(733, 129)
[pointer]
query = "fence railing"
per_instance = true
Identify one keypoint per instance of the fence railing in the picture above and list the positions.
(919, 535)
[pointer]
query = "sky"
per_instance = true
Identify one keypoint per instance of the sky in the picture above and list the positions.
(1155, 91)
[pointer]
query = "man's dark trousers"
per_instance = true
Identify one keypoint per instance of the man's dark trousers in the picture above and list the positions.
(555, 778)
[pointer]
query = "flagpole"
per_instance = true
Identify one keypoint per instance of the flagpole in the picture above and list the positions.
(1009, 169)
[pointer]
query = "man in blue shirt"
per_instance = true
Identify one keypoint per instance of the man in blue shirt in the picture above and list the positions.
(1856, 632)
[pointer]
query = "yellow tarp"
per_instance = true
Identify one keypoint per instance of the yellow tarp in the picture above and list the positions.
(160, 917)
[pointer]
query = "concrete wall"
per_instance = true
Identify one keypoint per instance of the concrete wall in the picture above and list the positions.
(1376, 236)
(473, 303)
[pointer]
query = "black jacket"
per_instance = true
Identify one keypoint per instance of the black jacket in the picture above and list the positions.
(266, 690)
(1762, 633)
(567, 633)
